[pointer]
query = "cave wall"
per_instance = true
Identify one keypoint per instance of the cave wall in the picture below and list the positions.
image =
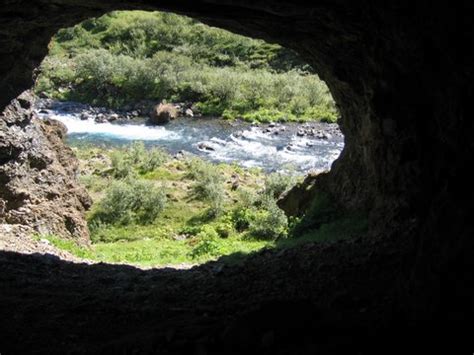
(401, 73)
(40, 193)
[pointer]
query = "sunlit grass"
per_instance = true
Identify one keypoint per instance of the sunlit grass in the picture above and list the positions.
(149, 252)
(185, 232)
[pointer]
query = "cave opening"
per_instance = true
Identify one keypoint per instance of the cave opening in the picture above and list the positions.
(193, 142)
(402, 76)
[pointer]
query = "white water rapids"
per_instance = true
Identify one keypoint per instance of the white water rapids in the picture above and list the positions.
(272, 149)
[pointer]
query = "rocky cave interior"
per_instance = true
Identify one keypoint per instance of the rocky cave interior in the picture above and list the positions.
(402, 75)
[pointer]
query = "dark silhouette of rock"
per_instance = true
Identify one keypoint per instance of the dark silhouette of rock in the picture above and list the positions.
(296, 201)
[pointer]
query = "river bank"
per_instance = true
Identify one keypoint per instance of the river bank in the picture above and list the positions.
(272, 147)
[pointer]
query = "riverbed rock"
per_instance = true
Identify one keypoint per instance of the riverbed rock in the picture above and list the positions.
(189, 113)
(162, 114)
(205, 146)
(38, 173)
(113, 117)
(100, 118)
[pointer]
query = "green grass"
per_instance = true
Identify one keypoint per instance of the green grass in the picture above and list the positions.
(169, 252)
(152, 248)
(67, 245)
(125, 57)
(184, 232)
(349, 226)
(147, 251)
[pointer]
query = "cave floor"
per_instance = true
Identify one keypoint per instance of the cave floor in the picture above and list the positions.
(330, 297)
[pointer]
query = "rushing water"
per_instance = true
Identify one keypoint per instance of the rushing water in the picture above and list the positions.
(214, 139)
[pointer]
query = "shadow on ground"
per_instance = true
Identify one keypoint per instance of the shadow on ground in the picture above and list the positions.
(316, 298)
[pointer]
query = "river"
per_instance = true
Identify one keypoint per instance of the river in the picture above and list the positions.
(274, 147)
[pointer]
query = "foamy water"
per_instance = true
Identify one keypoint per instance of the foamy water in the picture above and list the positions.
(213, 139)
(123, 131)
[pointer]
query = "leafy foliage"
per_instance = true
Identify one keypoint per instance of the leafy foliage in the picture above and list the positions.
(208, 185)
(132, 222)
(268, 222)
(277, 183)
(124, 57)
(136, 159)
(129, 201)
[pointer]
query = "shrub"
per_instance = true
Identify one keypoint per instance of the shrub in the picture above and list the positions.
(268, 222)
(241, 218)
(208, 243)
(135, 152)
(268, 115)
(152, 160)
(126, 57)
(129, 201)
(259, 215)
(208, 185)
(321, 113)
(121, 167)
(277, 183)
(225, 227)
(136, 158)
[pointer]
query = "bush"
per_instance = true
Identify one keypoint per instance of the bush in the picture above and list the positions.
(129, 201)
(268, 222)
(241, 218)
(208, 243)
(225, 227)
(152, 160)
(136, 158)
(208, 185)
(126, 57)
(260, 216)
(277, 183)
(121, 167)
(268, 115)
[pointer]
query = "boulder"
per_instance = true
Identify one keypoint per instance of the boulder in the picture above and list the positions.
(162, 114)
(113, 117)
(205, 146)
(84, 116)
(296, 200)
(100, 118)
(189, 113)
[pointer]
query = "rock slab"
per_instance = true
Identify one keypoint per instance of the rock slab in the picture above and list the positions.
(38, 175)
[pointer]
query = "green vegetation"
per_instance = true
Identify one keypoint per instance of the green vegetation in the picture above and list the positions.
(174, 210)
(124, 57)
(188, 211)
(129, 201)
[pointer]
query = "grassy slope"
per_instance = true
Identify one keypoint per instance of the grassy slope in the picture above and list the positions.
(184, 233)
(169, 239)
(124, 57)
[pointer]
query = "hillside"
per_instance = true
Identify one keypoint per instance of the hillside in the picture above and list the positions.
(126, 57)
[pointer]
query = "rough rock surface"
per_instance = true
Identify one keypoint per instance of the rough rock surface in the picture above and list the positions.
(162, 114)
(300, 301)
(18, 238)
(38, 175)
(297, 200)
(402, 74)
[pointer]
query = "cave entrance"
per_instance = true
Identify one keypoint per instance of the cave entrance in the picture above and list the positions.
(188, 136)
(402, 74)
